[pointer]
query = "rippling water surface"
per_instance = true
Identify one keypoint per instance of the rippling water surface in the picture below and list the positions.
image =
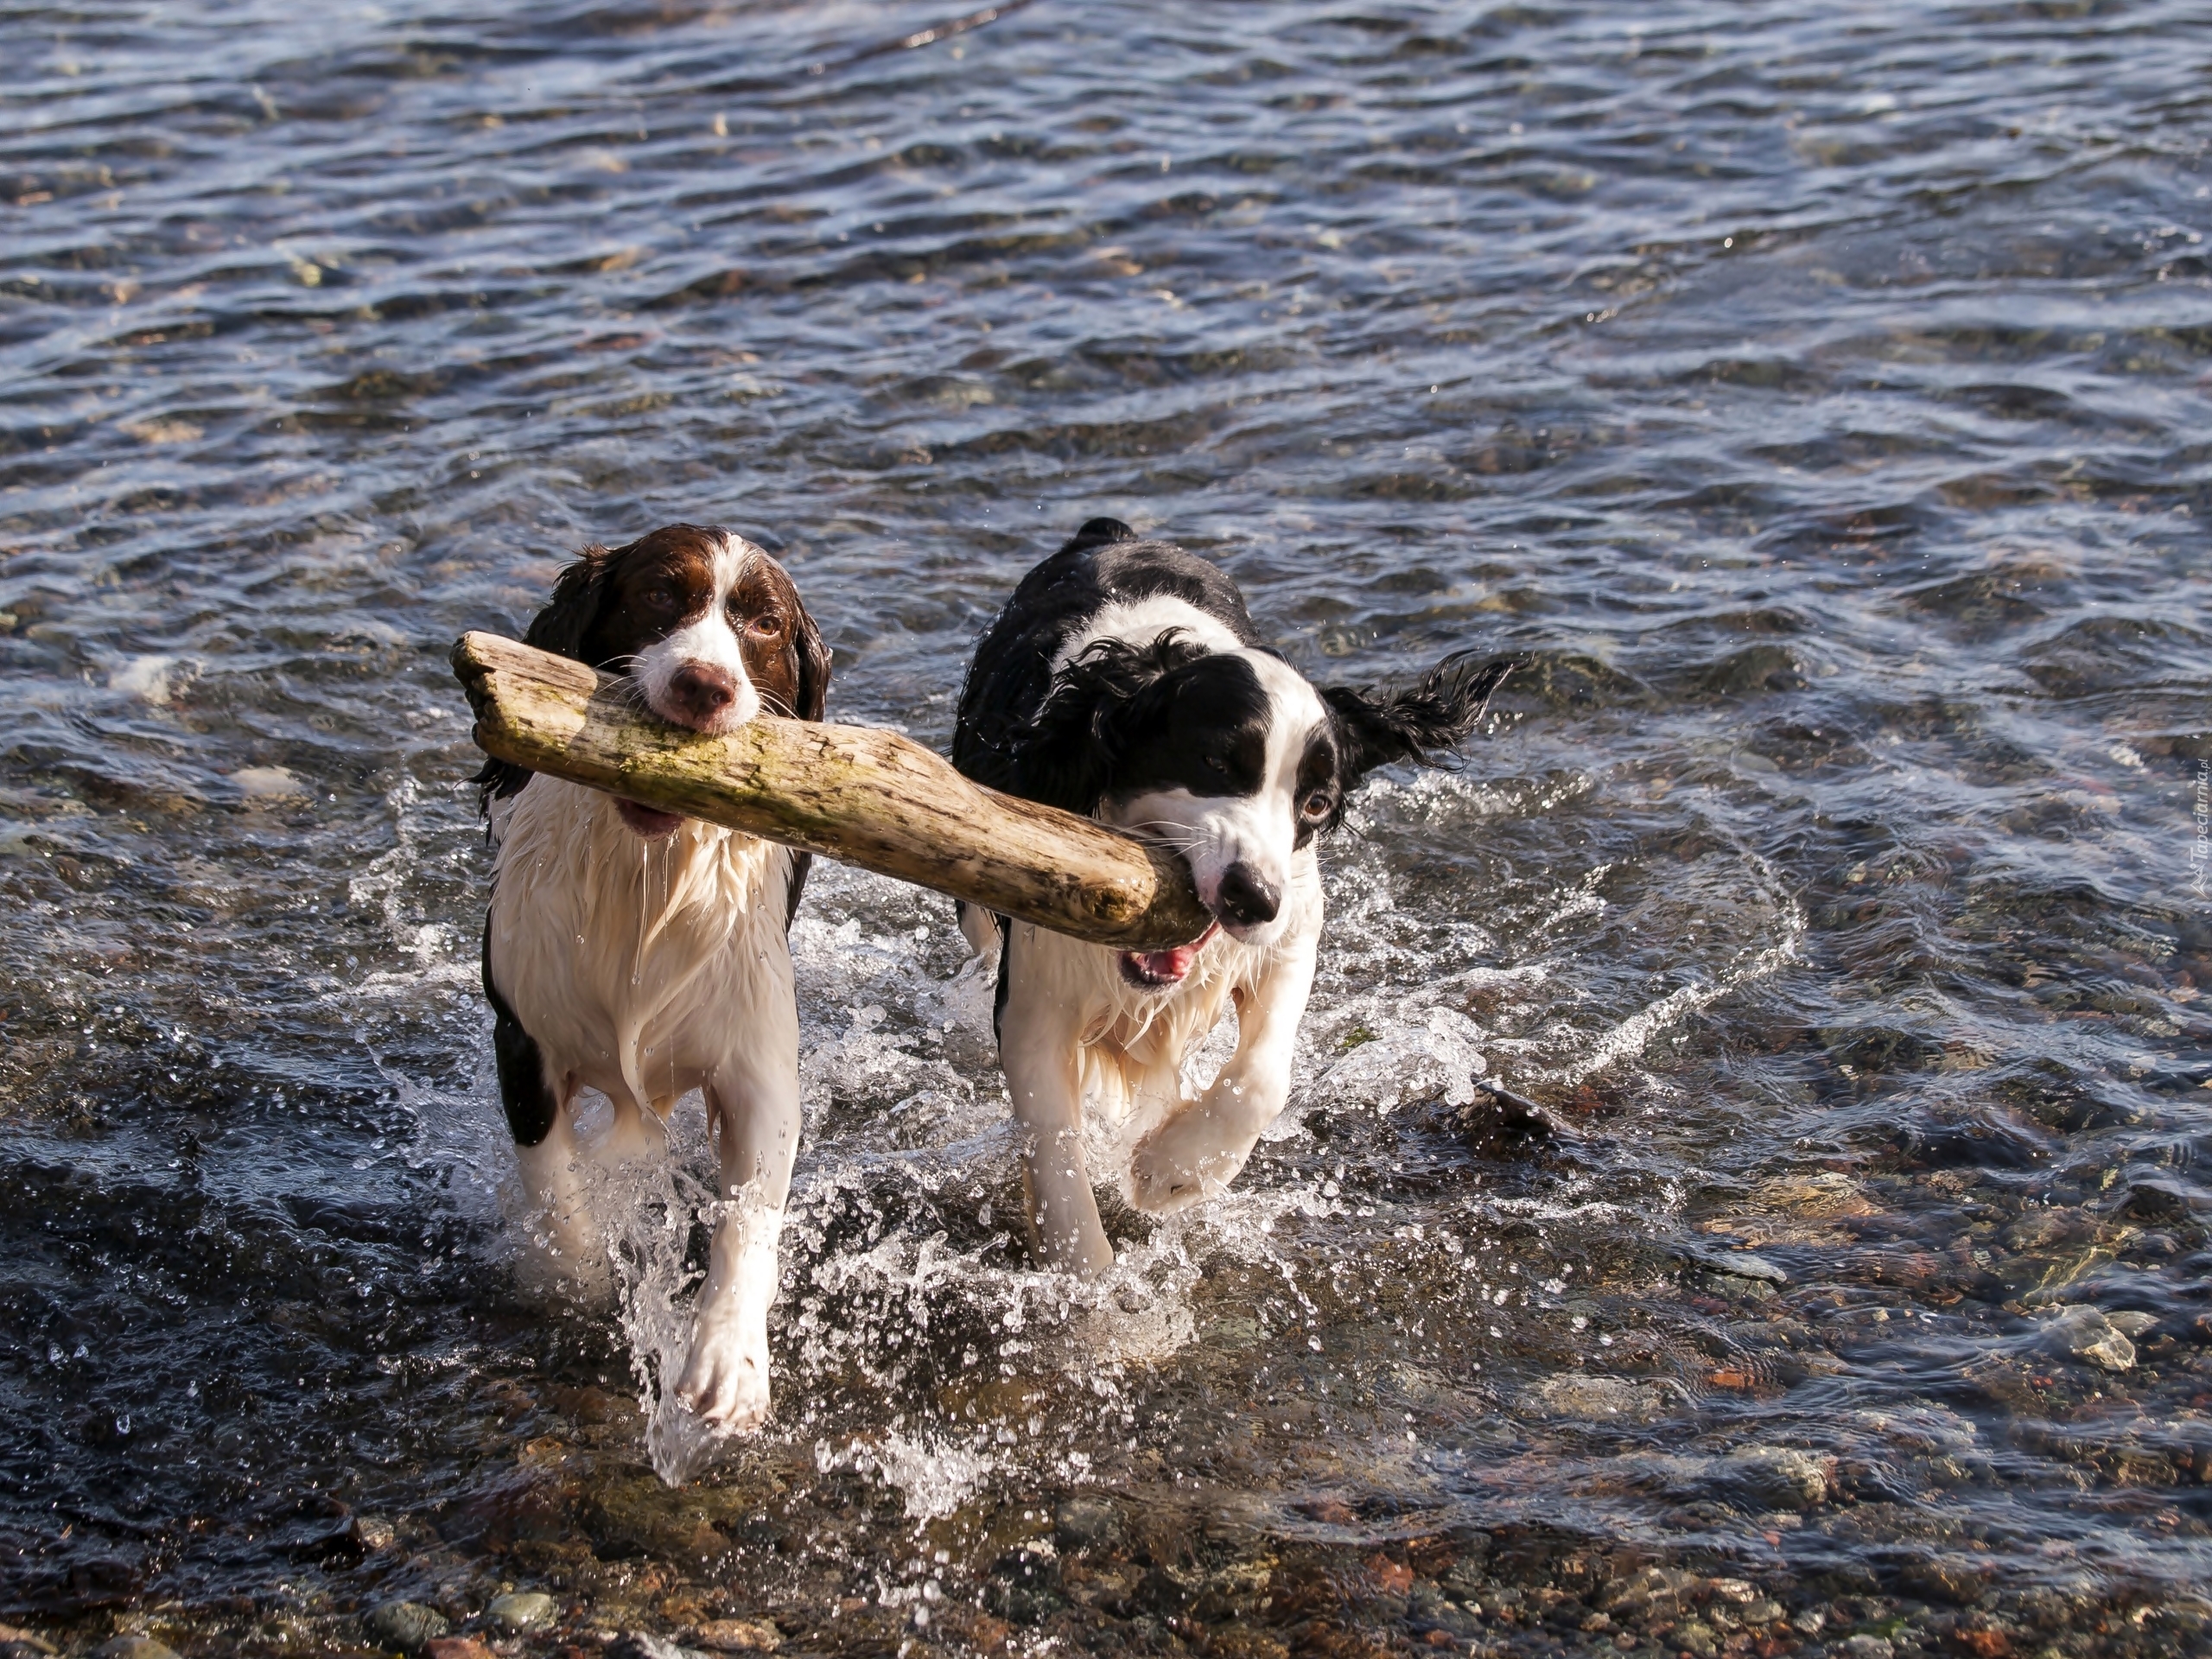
(1815, 395)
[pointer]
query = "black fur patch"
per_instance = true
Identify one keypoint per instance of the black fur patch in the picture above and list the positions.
(1122, 719)
(528, 1101)
(1011, 679)
(1422, 722)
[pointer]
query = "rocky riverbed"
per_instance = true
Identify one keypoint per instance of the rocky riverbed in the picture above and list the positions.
(1744, 1190)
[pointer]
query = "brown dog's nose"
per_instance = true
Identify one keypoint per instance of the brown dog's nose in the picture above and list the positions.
(700, 691)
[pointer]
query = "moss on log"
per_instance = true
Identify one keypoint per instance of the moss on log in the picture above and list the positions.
(854, 793)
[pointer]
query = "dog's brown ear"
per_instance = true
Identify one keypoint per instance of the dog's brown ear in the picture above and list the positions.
(813, 664)
(578, 592)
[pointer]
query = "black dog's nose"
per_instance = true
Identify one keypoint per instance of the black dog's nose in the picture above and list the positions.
(700, 691)
(1246, 899)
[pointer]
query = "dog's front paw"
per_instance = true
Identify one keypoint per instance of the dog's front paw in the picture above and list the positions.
(725, 1380)
(1178, 1164)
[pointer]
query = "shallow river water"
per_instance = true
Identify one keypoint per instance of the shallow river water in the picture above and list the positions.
(1815, 398)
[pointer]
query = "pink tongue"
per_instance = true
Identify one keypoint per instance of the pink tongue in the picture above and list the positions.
(1168, 966)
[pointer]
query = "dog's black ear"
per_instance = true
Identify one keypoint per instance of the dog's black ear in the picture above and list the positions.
(1099, 532)
(1421, 723)
(813, 665)
(578, 592)
(1067, 756)
(559, 628)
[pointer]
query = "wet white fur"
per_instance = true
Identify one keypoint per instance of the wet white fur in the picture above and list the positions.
(644, 969)
(1093, 1064)
(708, 639)
(1141, 621)
(1094, 1067)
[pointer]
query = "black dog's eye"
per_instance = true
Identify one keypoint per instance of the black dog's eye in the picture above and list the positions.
(1215, 763)
(1317, 806)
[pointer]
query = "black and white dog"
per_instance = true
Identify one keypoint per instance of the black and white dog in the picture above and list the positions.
(643, 954)
(1124, 680)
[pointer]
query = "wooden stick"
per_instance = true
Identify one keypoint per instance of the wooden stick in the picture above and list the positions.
(866, 797)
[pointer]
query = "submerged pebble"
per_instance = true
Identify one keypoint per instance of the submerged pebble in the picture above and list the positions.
(522, 1610)
(2086, 1333)
(1779, 1476)
(1576, 1394)
(738, 1636)
(1081, 1521)
(1742, 1264)
(406, 1625)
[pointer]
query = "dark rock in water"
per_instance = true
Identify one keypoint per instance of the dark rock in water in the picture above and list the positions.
(1752, 671)
(134, 1647)
(1499, 1124)
(1943, 1579)
(2158, 1200)
(406, 1625)
(2041, 1228)
(1023, 1589)
(2038, 1279)
(370, 1533)
(1737, 1274)
(1082, 1519)
(1467, 1577)
(1741, 1290)
(1742, 1264)
(1644, 1588)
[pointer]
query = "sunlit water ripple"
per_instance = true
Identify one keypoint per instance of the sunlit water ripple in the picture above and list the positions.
(1815, 396)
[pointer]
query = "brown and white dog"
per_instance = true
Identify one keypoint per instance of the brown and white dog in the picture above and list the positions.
(643, 954)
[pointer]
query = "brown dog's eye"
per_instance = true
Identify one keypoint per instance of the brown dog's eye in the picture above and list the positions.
(1316, 806)
(660, 597)
(767, 627)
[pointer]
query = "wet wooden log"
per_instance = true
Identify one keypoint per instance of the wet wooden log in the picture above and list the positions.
(850, 792)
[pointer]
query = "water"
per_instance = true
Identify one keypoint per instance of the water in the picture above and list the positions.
(1815, 394)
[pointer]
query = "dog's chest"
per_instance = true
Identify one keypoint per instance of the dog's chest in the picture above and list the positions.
(618, 952)
(1151, 1030)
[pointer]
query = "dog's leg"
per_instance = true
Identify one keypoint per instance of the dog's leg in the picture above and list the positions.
(627, 1138)
(754, 1103)
(1201, 1149)
(1039, 1029)
(568, 1243)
